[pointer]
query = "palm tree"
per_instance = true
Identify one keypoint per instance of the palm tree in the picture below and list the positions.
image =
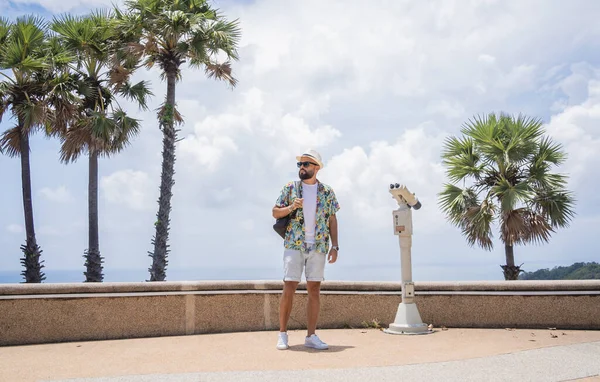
(504, 164)
(98, 128)
(37, 95)
(169, 33)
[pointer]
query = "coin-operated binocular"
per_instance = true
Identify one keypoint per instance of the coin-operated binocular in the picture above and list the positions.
(408, 320)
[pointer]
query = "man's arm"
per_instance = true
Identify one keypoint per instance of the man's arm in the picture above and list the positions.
(333, 230)
(282, 205)
(279, 212)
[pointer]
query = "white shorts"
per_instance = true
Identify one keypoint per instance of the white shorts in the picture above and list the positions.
(295, 261)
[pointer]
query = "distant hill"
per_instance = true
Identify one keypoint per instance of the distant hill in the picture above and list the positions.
(577, 271)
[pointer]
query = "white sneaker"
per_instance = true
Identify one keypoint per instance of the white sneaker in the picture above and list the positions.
(315, 343)
(282, 341)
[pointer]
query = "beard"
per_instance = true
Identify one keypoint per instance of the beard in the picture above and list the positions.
(305, 174)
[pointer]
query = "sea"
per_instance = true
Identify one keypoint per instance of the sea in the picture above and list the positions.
(375, 273)
(141, 275)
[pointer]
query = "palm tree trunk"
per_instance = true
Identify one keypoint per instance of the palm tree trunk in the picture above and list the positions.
(93, 260)
(161, 248)
(31, 261)
(509, 251)
(511, 272)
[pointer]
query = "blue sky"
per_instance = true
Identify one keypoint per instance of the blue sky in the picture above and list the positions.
(375, 95)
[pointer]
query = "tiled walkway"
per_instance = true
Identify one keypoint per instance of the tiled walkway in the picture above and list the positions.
(354, 355)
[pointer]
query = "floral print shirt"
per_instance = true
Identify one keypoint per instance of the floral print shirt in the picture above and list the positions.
(327, 206)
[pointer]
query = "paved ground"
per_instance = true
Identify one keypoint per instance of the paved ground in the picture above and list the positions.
(354, 355)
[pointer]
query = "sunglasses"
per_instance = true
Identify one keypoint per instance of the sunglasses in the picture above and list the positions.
(305, 164)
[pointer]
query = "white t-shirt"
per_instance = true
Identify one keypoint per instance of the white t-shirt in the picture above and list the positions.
(309, 208)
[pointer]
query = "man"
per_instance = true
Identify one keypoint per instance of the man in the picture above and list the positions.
(306, 242)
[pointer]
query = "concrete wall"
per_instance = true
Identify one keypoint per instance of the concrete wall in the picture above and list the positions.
(71, 312)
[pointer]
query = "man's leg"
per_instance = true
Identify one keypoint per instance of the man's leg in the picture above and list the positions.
(315, 270)
(315, 267)
(293, 266)
(285, 304)
(314, 305)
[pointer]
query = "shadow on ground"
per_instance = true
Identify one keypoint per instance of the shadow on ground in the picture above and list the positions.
(332, 349)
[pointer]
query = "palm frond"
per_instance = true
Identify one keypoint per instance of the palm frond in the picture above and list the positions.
(31, 114)
(529, 129)
(23, 45)
(522, 226)
(73, 30)
(30, 31)
(550, 152)
(86, 89)
(510, 195)
(173, 26)
(216, 36)
(5, 25)
(128, 28)
(125, 129)
(119, 75)
(5, 98)
(460, 159)
(476, 224)
(63, 103)
(102, 17)
(76, 142)
(557, 206)
(541, 179)
(522, 136)
(454, 146)
(10, 142)
(177, 117)
(221, 72)
(464, 210)
(87, 35)
(480, 128)
(59, 56)
(455, 201)
(14, 56)
(101, 127)
(139, 93)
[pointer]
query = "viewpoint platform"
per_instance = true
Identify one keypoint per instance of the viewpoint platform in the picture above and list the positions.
(354, 355)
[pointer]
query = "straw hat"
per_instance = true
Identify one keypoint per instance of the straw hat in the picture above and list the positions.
(310, 153)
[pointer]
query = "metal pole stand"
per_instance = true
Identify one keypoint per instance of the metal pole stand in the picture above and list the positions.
(408, 320)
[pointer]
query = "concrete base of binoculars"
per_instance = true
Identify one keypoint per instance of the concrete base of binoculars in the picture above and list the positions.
(408, 320)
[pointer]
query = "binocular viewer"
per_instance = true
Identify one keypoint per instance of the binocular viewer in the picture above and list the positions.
(403, 196)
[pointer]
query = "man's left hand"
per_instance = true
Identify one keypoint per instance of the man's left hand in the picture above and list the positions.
(332, 257)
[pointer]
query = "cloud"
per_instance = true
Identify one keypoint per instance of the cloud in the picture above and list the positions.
(576, 128)
(375, 91)
(50, 230)
(128, 188)
(248, 224)
(256, 127)
(450, 109)
(362, 177)
(486, 58)
(56, 6)
(58, 195)
(575, 86)
(206, 151)
(14, 228)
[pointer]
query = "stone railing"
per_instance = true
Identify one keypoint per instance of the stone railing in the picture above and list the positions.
(45, 313)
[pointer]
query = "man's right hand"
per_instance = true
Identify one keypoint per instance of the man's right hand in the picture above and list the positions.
(297, 203)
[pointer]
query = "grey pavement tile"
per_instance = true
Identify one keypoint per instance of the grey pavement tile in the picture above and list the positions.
(559, 363)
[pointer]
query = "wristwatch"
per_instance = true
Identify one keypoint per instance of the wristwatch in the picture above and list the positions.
(337, 248)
